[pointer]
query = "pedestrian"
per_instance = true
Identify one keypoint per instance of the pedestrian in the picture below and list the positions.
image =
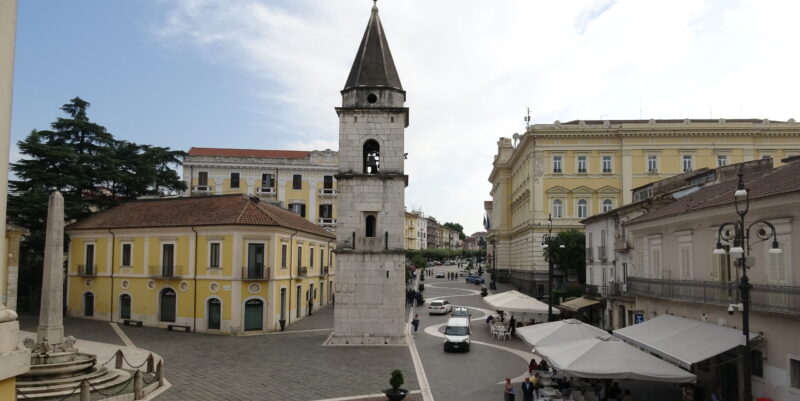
(718, 395)
(527, 390)
(415, 322)
(687, 392)
(508, 391)
(628, 396)
(537, 384)
(532, 366)
(512, 324)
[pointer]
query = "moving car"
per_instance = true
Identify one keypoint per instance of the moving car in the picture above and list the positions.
(460, 311)
(475, 279)
(456, 334)
(440, 275)
(439, 306)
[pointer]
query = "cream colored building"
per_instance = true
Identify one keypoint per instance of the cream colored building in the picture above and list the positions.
(298, 180)
(577, 169)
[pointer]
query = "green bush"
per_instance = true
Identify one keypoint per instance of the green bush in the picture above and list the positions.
(421, 287)
(484, 292)
(397, 379)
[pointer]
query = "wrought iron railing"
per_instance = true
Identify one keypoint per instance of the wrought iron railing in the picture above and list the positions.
(165, 272)
(763, 297)
(87, 270)
(255, 272)
(302, 271)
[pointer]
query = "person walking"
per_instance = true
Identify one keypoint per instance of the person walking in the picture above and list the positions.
(508, 391)
(527, 390)
(415, 322)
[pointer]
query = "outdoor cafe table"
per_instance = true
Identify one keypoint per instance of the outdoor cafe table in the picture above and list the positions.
(550, 392)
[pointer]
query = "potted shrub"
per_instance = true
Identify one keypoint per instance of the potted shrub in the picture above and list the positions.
(396, 393)
(484, 292)
(421, 287)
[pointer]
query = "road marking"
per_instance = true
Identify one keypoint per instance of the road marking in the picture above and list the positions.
(122, 335)
(422, 378)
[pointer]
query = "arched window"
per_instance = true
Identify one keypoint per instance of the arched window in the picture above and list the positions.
(370, 226)
(608, 204)
(558, 209)
(582, 208)
(372, 157)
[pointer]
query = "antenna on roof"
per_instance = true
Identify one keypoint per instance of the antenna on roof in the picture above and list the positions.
(528, 119)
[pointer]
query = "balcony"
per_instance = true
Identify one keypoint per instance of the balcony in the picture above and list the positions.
(201, 189)
(87, 270)
(621, 244)
(302, 272)
(326, 222)
(255, 273)
(166, 272)
(601, 253)
(596, 291)
(327, 193)
(326, 270)
(763, 297)
(265, 190)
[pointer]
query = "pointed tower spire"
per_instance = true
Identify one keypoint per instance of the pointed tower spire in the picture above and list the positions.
(373, 66)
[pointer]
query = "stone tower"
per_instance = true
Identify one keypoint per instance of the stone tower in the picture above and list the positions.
(370, 258)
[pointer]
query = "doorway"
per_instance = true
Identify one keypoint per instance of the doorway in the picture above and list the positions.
(253, 314)
(168, 304)
(214, 314)
(88, 304)
(125, 306)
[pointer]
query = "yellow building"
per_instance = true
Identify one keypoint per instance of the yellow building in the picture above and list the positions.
(576, 169)
(298, 180)
(222, 264)
(410, 231)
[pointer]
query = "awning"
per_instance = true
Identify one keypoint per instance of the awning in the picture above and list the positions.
(560, 331)
(515, 301)
(682, 341)
(578, 304)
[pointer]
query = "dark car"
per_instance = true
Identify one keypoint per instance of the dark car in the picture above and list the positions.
(475, 279)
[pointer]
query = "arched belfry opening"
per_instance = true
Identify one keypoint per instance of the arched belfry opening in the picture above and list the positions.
(372, 157)
(370, 223)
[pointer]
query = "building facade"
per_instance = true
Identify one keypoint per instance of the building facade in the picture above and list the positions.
(301, 181)
(578, 169)
(220, 264)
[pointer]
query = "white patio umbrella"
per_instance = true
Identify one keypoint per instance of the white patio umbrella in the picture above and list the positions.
(515, 301)
(607, 357)
(558, 332)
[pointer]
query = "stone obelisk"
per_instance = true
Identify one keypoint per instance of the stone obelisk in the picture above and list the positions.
(51, 322)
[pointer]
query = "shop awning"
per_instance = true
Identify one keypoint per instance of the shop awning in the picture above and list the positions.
(682, 341)
(578, 304)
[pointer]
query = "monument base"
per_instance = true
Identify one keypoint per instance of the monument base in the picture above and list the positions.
(373, 341)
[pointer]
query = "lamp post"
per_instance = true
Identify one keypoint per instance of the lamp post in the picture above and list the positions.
(548, 246)
(738, 234)
(493, 260)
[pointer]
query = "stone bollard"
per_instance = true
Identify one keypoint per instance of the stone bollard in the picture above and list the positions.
(150, 363)
(86, 393)
(138, 391)
(118, 359)
(160, 373)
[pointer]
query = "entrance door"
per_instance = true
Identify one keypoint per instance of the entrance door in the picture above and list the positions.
(321, 294)
(88, 304)
(297, 300)
(255, 260)
(168, 304)
(214, 313)
(125, 306)
(253, 314)
(283, 303)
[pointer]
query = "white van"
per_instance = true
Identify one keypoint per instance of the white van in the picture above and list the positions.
(456, 334)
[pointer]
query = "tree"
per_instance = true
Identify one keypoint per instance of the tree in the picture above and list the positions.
(91, 169)
(457, 228)
(572, 259)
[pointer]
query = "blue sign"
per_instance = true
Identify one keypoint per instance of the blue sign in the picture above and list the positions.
(638, 318)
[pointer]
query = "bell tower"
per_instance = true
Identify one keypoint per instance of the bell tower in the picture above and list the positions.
(370, 257)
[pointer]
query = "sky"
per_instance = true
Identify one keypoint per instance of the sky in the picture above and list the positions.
(266, 74)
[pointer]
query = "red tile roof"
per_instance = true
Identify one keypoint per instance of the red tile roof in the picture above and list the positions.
(270, 154)
(212, 210)
(777, 182)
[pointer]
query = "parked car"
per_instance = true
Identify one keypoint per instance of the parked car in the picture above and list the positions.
(440, 275)
(439, 306)
(456, 334)
(475, 279)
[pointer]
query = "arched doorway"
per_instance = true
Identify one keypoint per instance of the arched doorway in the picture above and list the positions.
(168, 305)
(88, 304)
(253, 314)
(124, 306)
(214, 314)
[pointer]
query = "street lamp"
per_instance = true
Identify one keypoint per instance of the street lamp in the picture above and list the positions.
(739, 236)
(547, 240)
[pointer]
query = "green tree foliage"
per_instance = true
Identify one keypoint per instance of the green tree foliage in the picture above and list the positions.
(457, 228)
(573, 257)
(91, 169)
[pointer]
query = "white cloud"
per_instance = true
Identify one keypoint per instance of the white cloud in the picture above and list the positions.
(472, 67)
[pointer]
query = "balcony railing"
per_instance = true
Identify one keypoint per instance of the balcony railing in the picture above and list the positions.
(87, 270)
(255, 272)
(763, 297)
(326, 222)
(265, 190)
(201, 188)
(166, 272)
(326, 192)
(302, 271)
(601, 252)
(621, 244)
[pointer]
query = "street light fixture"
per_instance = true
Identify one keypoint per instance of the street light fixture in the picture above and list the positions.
(739, 236)
(546, 242)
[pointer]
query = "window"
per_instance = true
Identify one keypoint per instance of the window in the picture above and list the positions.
(298, 208)
(89, 259)
(168, 260)
(582, 208)
(794, 372)
(311, 258)
(202, 178)
(327, 182)
(267, 180)
(652, 163)
(326, 211)
(608, 204)
(297, 181)
(126, 254)
(581, 164)
(556, 164)
(370, 229)
(558, 209)
(321, 257)
(213, 257)
(686, 262)
(757, 363)
(606, 164)
(283, 255)
(372, 157)
(687, 163)
(299, 256)
(722, 160)
(234, 180)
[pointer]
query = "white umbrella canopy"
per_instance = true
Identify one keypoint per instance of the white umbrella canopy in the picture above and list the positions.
(515, 301)
(607, 357)
(558, 332)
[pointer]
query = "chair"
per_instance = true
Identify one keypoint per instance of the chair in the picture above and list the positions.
(495, 329)
(506, 333)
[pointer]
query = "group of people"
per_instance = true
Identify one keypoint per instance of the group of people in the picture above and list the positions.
(451, 275)
(531, 387)
(413, 296)
(696, 392)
